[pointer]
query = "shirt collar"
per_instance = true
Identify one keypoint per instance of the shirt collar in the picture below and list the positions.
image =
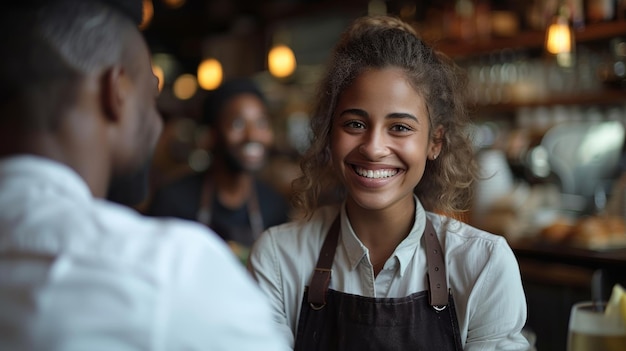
(355, 250)
(404, 253)
(46, 171)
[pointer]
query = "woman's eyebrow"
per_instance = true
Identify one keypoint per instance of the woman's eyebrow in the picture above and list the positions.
(402, 115)
(393, 115)
(354, 111)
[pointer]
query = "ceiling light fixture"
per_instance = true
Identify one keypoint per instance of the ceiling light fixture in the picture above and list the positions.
(560, 38)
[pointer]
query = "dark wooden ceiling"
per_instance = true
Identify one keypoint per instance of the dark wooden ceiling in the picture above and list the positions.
(181, 31)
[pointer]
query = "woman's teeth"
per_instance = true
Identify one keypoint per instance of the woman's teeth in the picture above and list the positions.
(375, 174)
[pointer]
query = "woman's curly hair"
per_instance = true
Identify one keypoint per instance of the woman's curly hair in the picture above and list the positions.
(375, 42)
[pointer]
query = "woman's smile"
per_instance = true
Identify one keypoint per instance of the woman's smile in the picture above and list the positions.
(376, 173)
(373, 176)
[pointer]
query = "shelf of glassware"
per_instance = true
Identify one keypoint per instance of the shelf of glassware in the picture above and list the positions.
(605, 97)
(505, 80)
(528, 40)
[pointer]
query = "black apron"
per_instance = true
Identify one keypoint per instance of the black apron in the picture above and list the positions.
(239, 237)
(205, 212)
(332, 320)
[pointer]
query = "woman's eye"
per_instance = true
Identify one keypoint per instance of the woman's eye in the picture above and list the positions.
(355, 124)
(400, 128)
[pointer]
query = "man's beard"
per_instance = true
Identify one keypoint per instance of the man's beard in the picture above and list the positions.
(131, 189)
(236, 164)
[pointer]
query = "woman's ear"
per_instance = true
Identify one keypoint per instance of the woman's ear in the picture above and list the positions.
(436, 143)
(112, 94)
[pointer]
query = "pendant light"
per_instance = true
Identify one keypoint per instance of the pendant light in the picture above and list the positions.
(560, 37)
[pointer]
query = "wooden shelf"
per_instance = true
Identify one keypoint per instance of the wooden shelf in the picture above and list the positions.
(527, 40)
(563, 254)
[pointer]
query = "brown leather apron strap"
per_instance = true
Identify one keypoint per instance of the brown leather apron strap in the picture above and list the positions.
(321, 274)
(438, 292)
(436, 269)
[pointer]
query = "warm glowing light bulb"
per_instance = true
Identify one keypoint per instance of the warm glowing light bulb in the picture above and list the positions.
(148, 12)
(160, 74)
(210, 74)
(281, 61)
(559, 38)
(185, 86)
(174, 4)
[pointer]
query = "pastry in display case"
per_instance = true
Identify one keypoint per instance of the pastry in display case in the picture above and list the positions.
(597, 232)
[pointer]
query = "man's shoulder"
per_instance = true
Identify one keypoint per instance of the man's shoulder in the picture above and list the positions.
(163, 239)
(109, 260)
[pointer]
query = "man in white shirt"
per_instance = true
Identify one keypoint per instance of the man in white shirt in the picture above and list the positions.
(77, 110)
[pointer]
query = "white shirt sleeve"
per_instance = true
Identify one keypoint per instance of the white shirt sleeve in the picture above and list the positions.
(497, 309)
(216, 305)
(265, 268)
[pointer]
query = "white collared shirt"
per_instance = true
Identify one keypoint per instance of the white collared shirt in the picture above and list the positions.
(78, 273)
(482, 272)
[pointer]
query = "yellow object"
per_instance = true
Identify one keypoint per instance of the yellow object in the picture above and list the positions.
(560, 38)
(185, 86)
(623, 307)
(147, 14)
(210, 74)
(617, 302)
(281, 61)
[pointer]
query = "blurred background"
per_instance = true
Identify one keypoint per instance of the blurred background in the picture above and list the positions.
(547, 88)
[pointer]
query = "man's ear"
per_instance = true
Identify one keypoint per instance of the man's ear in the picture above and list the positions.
(112, 92)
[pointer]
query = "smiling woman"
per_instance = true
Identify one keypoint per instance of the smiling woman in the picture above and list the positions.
(389, 131)
(380, 141)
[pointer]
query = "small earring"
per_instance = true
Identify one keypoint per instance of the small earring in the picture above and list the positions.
(435, 157)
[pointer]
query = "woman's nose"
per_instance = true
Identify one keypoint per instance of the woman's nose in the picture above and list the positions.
(374, 146)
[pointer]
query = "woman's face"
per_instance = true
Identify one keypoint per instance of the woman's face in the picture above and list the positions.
(380, 139)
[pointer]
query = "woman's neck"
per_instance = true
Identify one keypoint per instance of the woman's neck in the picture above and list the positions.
(381, 231)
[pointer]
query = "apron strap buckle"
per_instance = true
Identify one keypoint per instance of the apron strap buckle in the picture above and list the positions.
(439, 308)
(318, 288)
(321, 275)
(316, 307)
